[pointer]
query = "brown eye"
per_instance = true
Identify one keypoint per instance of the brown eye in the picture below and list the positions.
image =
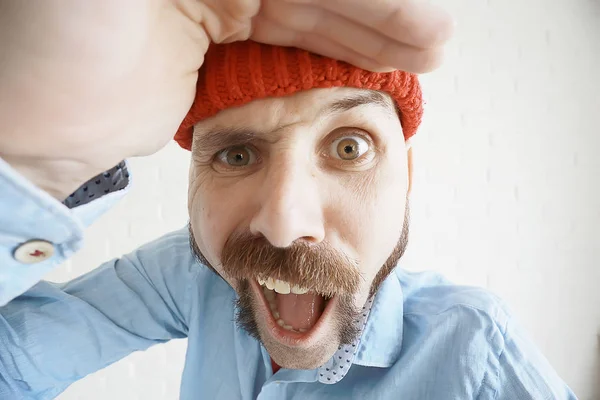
(239, 156)
(349, 148)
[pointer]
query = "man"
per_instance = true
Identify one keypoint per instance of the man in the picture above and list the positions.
(298, 203)
(85, 85)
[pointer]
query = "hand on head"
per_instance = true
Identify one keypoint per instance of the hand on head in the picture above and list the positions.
(85, 85)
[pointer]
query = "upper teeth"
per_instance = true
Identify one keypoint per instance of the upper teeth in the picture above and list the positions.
(281, 287)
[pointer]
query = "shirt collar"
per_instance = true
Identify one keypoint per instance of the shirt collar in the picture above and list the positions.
(381, 340)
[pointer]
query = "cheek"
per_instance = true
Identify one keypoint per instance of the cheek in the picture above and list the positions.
(374, 219)
(213, 219)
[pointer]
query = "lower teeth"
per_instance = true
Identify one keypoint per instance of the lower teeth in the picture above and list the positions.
(270, 296)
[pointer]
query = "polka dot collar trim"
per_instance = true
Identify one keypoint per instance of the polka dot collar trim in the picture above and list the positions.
(338, 366)
(115, 179)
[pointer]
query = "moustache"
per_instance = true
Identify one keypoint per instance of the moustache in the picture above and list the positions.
(318, 267)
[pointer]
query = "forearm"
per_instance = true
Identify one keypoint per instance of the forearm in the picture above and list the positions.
(37, 102)
(55, 334)
(48, 340)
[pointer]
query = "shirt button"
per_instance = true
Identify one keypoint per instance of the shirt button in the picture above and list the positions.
(34, 251)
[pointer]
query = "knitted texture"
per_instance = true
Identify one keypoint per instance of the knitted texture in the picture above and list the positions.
(237, 73)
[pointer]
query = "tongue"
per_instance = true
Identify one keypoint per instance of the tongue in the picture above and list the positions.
(301, 311)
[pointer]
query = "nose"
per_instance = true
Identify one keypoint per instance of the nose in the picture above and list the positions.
(290, 207)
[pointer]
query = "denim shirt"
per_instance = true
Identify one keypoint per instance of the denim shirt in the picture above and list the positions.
(424, 338)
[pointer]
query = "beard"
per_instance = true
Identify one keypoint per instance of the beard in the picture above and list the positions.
(317, 267)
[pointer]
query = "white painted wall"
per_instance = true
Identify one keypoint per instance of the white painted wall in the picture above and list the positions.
(506, 188)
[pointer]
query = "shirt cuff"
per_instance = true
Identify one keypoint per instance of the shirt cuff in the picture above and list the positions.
(37, 232)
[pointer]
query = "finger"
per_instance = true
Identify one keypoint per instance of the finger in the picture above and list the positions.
(266, 31)
(413, 22)
(412, 60)
(373, 45)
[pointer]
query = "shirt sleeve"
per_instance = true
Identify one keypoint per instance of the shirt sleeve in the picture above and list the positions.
(55, 334)
(524, 373)
(29, 216)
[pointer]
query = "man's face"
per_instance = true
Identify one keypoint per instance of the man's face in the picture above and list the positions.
(299, 203)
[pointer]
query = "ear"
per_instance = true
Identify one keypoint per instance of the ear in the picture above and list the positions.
(409, 159)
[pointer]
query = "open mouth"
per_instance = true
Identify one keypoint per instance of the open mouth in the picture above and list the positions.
(294, 315)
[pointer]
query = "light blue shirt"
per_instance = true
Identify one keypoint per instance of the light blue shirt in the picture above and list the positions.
(28, 213)
(424, 338)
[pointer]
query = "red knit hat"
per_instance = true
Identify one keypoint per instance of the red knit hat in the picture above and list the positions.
(237, 73)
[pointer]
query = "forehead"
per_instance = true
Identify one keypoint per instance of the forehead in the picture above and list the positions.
(309, 106)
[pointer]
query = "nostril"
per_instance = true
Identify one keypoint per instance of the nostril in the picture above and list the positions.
(308, 239)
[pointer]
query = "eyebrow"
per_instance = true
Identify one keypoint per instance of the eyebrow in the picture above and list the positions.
(220, 138)
(360, 99)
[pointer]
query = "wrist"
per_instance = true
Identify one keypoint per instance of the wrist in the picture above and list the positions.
(58, 178)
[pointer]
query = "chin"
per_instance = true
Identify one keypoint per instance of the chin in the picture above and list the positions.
(308, 336)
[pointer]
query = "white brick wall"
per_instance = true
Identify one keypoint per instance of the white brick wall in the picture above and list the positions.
(506, 188)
